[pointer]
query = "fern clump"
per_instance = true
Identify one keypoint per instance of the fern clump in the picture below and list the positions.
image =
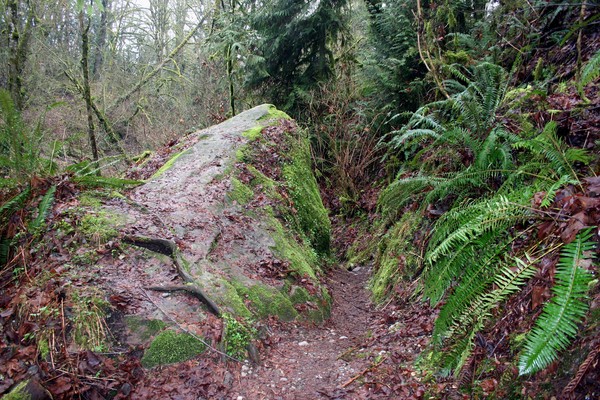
(557, 326)
(470, 265)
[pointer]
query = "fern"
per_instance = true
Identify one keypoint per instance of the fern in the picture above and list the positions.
(591, 71)
(466, 224)
(401, 191)
(475, 277)
(16, 203)
(557, 325)
(559, 156)
(465, 325)
(43, 209)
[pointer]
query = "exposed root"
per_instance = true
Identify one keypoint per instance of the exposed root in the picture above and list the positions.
(169, 248)
(194, 291)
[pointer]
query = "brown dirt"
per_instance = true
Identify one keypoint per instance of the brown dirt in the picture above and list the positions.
(348, 357)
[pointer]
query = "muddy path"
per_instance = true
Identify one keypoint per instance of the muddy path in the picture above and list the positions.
(353, 355)
(308, 361)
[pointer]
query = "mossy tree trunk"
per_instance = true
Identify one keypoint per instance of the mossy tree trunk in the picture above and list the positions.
(84, 26)
(19, 34)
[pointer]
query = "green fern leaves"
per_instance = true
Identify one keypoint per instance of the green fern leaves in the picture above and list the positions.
(43, 209)
(591, 71)
(557, 325)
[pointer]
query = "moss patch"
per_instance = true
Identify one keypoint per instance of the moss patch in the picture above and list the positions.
(266, 301)
(302, 185)
(253, 133)
(233, 301)
(18, 393)
(240, 192)
(274, 114)
(169, 164)
(299, 295)
(99, 227)
(143, 328)
(303, 259)
(170, 347)
(396, 256)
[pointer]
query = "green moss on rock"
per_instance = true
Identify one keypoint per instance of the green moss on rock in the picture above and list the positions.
(395, 257)
(274, 114)
(304, 262)
(169, 164)
(240, 192)
(170, 347)
(233, 301)
(302, 185)
(253, 133)
(299, 295)
(265, 301)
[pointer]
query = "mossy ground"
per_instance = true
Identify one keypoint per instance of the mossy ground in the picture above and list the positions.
(18, 393)
(99, 227)
(171, 347)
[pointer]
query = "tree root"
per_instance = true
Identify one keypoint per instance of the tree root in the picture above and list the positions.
(169, 248)
(194, 291)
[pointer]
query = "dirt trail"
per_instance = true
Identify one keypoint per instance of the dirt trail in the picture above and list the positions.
(307, 362)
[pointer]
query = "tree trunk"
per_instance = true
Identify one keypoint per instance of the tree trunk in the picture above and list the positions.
(101, 40)
(18, 47)
(230, 79)
(87, 96)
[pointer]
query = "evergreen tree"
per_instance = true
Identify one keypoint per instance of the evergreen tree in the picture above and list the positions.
(296, 39)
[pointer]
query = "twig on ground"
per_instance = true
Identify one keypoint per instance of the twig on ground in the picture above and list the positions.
(364, 371)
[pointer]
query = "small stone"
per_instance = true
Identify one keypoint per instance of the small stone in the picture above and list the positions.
(356, 269)
(165, 295)
(228, 379)
(126, 389)
(303, 343)
(343, 337)
(240, 398)
(283, 379)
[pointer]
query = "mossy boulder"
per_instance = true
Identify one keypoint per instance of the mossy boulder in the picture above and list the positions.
(243, 207)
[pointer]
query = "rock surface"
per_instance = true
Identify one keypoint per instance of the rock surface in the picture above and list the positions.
(236, 222)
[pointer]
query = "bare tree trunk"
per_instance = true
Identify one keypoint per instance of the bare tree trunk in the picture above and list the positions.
(101, 40)
(87, 96)
(230, 79)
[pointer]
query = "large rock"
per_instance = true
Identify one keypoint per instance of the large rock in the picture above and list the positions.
(243, 209)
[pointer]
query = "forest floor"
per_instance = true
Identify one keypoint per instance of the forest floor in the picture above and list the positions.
(360, 352)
